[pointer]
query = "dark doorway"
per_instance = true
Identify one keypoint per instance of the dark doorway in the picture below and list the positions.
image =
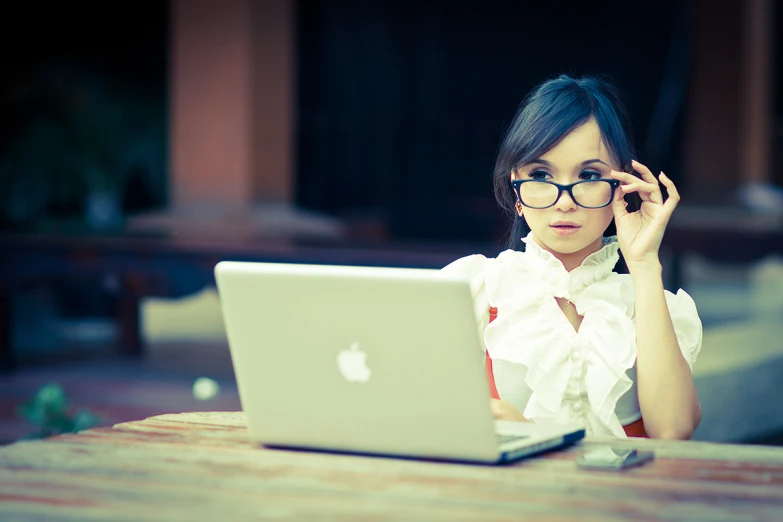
(402, 104)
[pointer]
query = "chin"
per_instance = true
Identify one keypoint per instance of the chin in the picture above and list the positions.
(567, 244)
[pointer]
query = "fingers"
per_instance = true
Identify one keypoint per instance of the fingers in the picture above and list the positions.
(645, 172)
(642, 188)
(619, 205)
(624, 176)
(497, 411)
(647, 187)
(502, 410)
(647, 191)
(674, 195)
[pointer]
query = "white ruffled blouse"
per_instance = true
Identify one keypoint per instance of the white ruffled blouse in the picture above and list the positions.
(541, 364)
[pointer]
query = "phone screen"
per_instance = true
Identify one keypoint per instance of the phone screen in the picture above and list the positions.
(609, 458)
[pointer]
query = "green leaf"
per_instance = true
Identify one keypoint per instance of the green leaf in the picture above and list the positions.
(48, 411)
(83, 420)
(51, 397)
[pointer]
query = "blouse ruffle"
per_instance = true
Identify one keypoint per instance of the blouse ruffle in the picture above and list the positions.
(531, 330)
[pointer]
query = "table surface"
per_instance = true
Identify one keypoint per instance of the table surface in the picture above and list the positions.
(201, 466)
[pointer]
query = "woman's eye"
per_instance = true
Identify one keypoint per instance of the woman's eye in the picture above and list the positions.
(539, 174)
(590, 174)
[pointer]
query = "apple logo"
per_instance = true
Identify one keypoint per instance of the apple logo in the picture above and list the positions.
(353, 364)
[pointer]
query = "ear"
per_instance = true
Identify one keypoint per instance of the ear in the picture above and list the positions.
(518, 205)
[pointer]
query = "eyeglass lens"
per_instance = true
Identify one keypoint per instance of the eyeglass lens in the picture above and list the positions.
(587, 194)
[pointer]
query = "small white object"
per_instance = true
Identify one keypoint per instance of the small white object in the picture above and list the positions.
(205, 388)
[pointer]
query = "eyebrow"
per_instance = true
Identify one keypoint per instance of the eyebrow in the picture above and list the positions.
(585, 162)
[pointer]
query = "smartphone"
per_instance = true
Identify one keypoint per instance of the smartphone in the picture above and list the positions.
(613, 459)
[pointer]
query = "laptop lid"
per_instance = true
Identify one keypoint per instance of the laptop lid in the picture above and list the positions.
(358, 359)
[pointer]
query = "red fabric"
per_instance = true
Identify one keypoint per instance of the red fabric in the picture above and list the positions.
(493, 312)
(635, 429)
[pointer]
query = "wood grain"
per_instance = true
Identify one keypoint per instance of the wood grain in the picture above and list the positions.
(201, 466)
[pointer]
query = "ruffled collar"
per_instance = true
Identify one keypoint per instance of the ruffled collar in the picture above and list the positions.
(595, 267)
(530, 329)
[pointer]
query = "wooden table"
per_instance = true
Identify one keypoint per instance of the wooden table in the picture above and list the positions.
(201, 466)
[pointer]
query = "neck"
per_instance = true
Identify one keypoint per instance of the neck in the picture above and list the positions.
(573, 259)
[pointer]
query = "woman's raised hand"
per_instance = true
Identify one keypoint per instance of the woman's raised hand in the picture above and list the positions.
(640, 233)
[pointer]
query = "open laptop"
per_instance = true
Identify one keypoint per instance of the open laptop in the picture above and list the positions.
(370, 360)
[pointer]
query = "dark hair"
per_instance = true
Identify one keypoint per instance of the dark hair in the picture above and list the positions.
(547, 115)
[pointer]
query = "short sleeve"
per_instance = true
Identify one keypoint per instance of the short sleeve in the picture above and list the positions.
(472, 268)
(687, 324)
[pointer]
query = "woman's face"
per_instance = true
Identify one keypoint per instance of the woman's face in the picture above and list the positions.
(569, 231)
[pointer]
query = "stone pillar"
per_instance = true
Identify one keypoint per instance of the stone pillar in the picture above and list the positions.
(232, 128)
(728, 130)
(211, 103)
(757, 81)
(273, 91)
(711, 128)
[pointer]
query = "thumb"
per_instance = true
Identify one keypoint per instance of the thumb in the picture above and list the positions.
(618, 205)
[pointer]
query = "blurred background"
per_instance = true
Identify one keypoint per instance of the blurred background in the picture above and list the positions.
(142, 143)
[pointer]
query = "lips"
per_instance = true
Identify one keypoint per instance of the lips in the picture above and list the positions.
(565, 228)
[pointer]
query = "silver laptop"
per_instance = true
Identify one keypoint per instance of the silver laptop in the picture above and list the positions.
(382, 361)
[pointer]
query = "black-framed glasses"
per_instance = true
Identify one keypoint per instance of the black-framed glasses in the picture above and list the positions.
(589, 193)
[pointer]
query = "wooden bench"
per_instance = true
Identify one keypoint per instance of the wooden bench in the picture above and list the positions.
(147, 264)
(202, 466)
(134, 266)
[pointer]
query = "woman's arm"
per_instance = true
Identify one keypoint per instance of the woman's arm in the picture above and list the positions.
(667, 395)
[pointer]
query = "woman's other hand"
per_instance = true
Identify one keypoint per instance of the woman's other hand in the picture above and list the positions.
(502, 410)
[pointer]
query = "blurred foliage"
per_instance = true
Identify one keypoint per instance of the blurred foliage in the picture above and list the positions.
(69, 134)
(48, 411)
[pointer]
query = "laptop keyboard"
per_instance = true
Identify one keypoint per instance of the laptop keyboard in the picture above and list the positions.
(502, 439)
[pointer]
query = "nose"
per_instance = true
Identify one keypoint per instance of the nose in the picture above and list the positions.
(565, 203)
